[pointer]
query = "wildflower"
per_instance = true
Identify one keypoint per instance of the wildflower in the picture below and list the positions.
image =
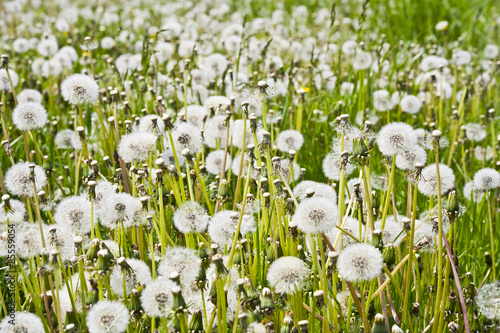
(107, 43)
(332, 164)
(486, 179)
(80, 89)
(219, 103)
(315, 215)
(188, 136)
(108, 316)
(395, 138)
(285, 170)
(75, 212)
(19, 182)
(15, 215)
(360, 262)
(156, 298)
(491, 51)
(29, 95)
(346, 88)
(191, 217)
(461, 58)
(25, 322)
(442, 25)
(4, 79)
(47, 46)
(216, 63)
(169, 159)
(349, 47)
(103, 191)
(181, 260)
(432, 62)
(223, 226)
(488, 300)
(127, 63)
(300, 190)
(475, 132)
(136, 146)
(428, 182)
(289, 140)
(60, 237)
(28, 241)
(362, 60)
(29, 116)
(196, 114)
(215, 161)
(287, 274)
(117, 209)
(381, 100)
(151, 123)
(406, 160)
(392, 230)
(237, 134)
(21, 45)
(483, 154)
(137, 271)
(472, 193)
(353, 226)
(68, 139)
(410, 104)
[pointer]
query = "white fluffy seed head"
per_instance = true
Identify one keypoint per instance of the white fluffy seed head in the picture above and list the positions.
(223, 226)
(360, 262)
(16, 215)
(118, 209)
(428, 181)
(4, 79)
(488, 300)
(406, 160)
(80, 89)
(18, 181)
(75, 212)
(138, 274)
(29, 95)
(392, 230)
(410, 104)
(146, 124)
(29, 116)
(395, 138)
(215, 160)
(286, 274)
(108, 316)
(289, 140)
(362, 60)
(486, 179)
(475, 132)
(136, 146)
(156, 298)
(320, 190)
(186, 135)
(472, 193)
(181, 260)
(215, 131)
(352, 226)
(191, 217)
(382, 101)
(315, 215)
(22, 322)
(68, 139)
(331, 166)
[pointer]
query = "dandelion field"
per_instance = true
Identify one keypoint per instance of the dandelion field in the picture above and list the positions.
(216, 166)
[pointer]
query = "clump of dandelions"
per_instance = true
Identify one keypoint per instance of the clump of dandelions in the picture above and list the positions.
(136, 146)
(289, 140)
(156, 298)
(486, 179)
(428, 182)
(360, 262)
(286, 274)
(19, 181)
(108, 316)
(137, 271)
(191, 217)
(317, 214)
(29, 116)
(396, 138)
(80, 89)
(23, 322)
(488, 300)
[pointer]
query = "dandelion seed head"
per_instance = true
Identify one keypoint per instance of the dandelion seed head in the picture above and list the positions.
(19, 182)
(406, 160)
(382, 101)
(4, 79)
(392, 229)
(428, 181)
(349, 47)
(362, 60)
(108, 316)
(29, 96)
(117, 209)
(196, 114)
(286, 274)
(461, 58)
(472, 193)
(136, 146)
(16, 215)
(29, 116)
(67, 139)
(181, 260)
(75, 212)
(331, 166)
(146, 124)
(320, 190)
(187, 136)
(289, 140)
(47, 47)
(316, 214)
(490, 51)
(139, 273)
(410, 104)
(215, 160)
(352, 226)
(486, 179)
(475, 132)
(156, 298)
(285, 170)
(168, 157)
(237, 129)
(396, 137)
(80, 89)
(217, 63)
(191, 217)
(360, 262)
(488, 300)
(24, 322)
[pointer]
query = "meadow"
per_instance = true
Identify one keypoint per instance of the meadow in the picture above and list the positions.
(249, 166)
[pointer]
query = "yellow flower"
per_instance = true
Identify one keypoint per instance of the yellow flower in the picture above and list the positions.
(305, 88)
